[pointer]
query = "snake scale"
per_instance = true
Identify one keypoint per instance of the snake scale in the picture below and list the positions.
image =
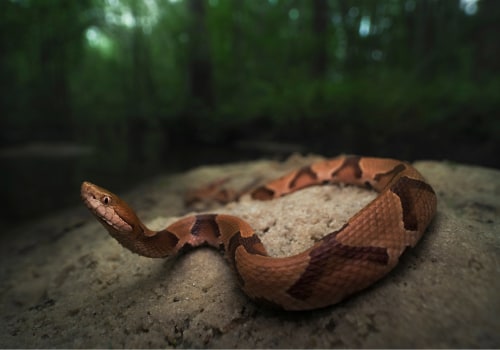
(343, 262)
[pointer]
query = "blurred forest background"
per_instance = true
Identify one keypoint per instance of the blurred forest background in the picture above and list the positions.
(116, 91)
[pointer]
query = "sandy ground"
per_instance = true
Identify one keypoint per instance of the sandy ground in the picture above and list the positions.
(66, 283)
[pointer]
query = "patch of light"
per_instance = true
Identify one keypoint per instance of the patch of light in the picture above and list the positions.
(273, 2)
(293, 14)
(469, 6)
(91, 34)
(364, 26)
(152, 7)
(119, 13)
(213, 3)
(127, 19)
(98, 40)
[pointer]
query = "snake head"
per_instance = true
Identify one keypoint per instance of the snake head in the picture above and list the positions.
(111, 211)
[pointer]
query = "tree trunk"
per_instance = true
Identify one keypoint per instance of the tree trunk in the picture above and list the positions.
(200, 65)
(320, 23)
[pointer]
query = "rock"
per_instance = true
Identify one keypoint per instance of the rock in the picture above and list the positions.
(67, 283)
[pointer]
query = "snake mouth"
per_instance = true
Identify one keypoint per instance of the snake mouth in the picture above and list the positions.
(86, 191)
(86, 194)
(90, 199)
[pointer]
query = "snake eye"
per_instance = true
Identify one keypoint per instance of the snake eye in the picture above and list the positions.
(106, 200)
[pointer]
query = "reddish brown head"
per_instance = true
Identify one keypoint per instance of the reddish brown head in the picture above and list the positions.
(111, 211)
(124, 225)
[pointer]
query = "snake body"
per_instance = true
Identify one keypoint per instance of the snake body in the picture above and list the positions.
(343, 262)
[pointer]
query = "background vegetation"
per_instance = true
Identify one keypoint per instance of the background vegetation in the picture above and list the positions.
(149, 84)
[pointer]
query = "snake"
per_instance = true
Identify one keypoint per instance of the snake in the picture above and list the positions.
(339, 264)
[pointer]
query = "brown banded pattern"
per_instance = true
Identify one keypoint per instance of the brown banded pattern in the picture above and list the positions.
(305, 176)
(205, 224)
(350, 163)
(345, 261)
(331, 252)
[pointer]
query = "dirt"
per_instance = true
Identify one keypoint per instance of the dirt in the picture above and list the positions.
(66, 283)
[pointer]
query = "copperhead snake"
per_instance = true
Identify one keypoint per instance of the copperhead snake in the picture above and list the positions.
(343, 262)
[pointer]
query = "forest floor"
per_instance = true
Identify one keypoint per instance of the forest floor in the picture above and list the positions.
(67, 283)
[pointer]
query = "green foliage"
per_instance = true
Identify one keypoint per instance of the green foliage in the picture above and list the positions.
(113, 64)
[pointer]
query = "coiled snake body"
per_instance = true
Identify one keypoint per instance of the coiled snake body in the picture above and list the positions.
(345, 261)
